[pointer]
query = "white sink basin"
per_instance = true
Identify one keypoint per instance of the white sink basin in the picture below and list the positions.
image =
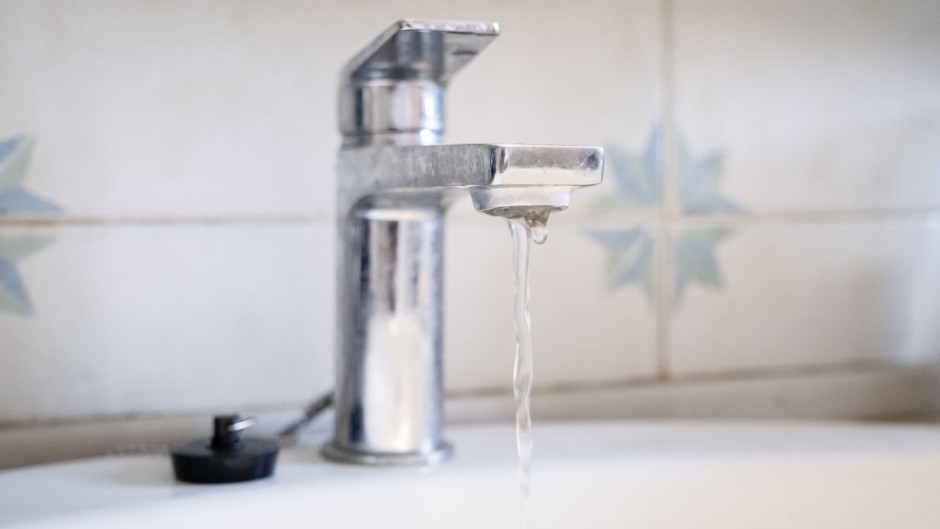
(617, 475)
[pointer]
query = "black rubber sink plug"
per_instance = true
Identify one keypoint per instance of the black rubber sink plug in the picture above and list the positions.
(226, 457)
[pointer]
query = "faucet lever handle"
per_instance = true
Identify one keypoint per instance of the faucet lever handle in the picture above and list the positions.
(420, 50)
(392, 92)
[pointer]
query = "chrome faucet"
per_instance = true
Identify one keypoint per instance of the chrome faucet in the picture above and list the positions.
(395, 183)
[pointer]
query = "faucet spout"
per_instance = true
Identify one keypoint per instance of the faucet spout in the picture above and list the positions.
(496, 176)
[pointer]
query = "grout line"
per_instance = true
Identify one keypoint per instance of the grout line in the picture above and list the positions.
(668, 157)
(659, 215)
(565, 219)
(37, 221)
(811, 216)
(665, 272)
(664, 214)
(760, 217)
(664, 264)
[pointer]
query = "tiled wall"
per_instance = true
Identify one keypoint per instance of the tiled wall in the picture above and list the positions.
(772, 201)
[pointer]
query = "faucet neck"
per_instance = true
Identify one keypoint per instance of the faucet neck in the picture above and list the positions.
(384, 112)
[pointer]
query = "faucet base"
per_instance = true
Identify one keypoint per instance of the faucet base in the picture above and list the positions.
(339, 454)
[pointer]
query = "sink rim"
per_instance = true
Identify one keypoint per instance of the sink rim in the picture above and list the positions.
(80, 488)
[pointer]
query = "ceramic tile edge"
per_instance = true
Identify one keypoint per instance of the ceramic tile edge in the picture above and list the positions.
(65, 220)
(874, 392)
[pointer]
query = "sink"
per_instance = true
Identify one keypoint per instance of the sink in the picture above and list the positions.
(621, 474)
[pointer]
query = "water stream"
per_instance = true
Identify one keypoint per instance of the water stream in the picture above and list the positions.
(528, 228)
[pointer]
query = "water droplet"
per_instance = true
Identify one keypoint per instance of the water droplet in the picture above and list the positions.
(539, 234)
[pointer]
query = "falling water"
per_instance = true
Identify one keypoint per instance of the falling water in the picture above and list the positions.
(532, 226)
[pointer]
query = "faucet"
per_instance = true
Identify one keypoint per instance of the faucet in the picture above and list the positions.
(396, 181)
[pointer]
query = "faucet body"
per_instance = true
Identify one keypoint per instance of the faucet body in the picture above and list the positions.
(395, 183)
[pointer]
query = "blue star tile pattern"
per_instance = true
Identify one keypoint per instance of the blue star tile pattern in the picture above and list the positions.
(695, 259)
(635, 178)
(636, 182)
(15, 199)
(629, 257)
(15, 153)
(14, 297)
(700, 183)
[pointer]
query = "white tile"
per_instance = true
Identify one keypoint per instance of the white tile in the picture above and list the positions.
(813, 105)
(143, 319)
(813, 294)
(172, 109)
(583, 333)
(227, 108)
(569, 74)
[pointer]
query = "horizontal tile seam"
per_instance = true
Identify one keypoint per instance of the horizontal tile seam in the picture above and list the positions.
(769, 217)
(650, 217)
(156, 221)
(819, 216)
